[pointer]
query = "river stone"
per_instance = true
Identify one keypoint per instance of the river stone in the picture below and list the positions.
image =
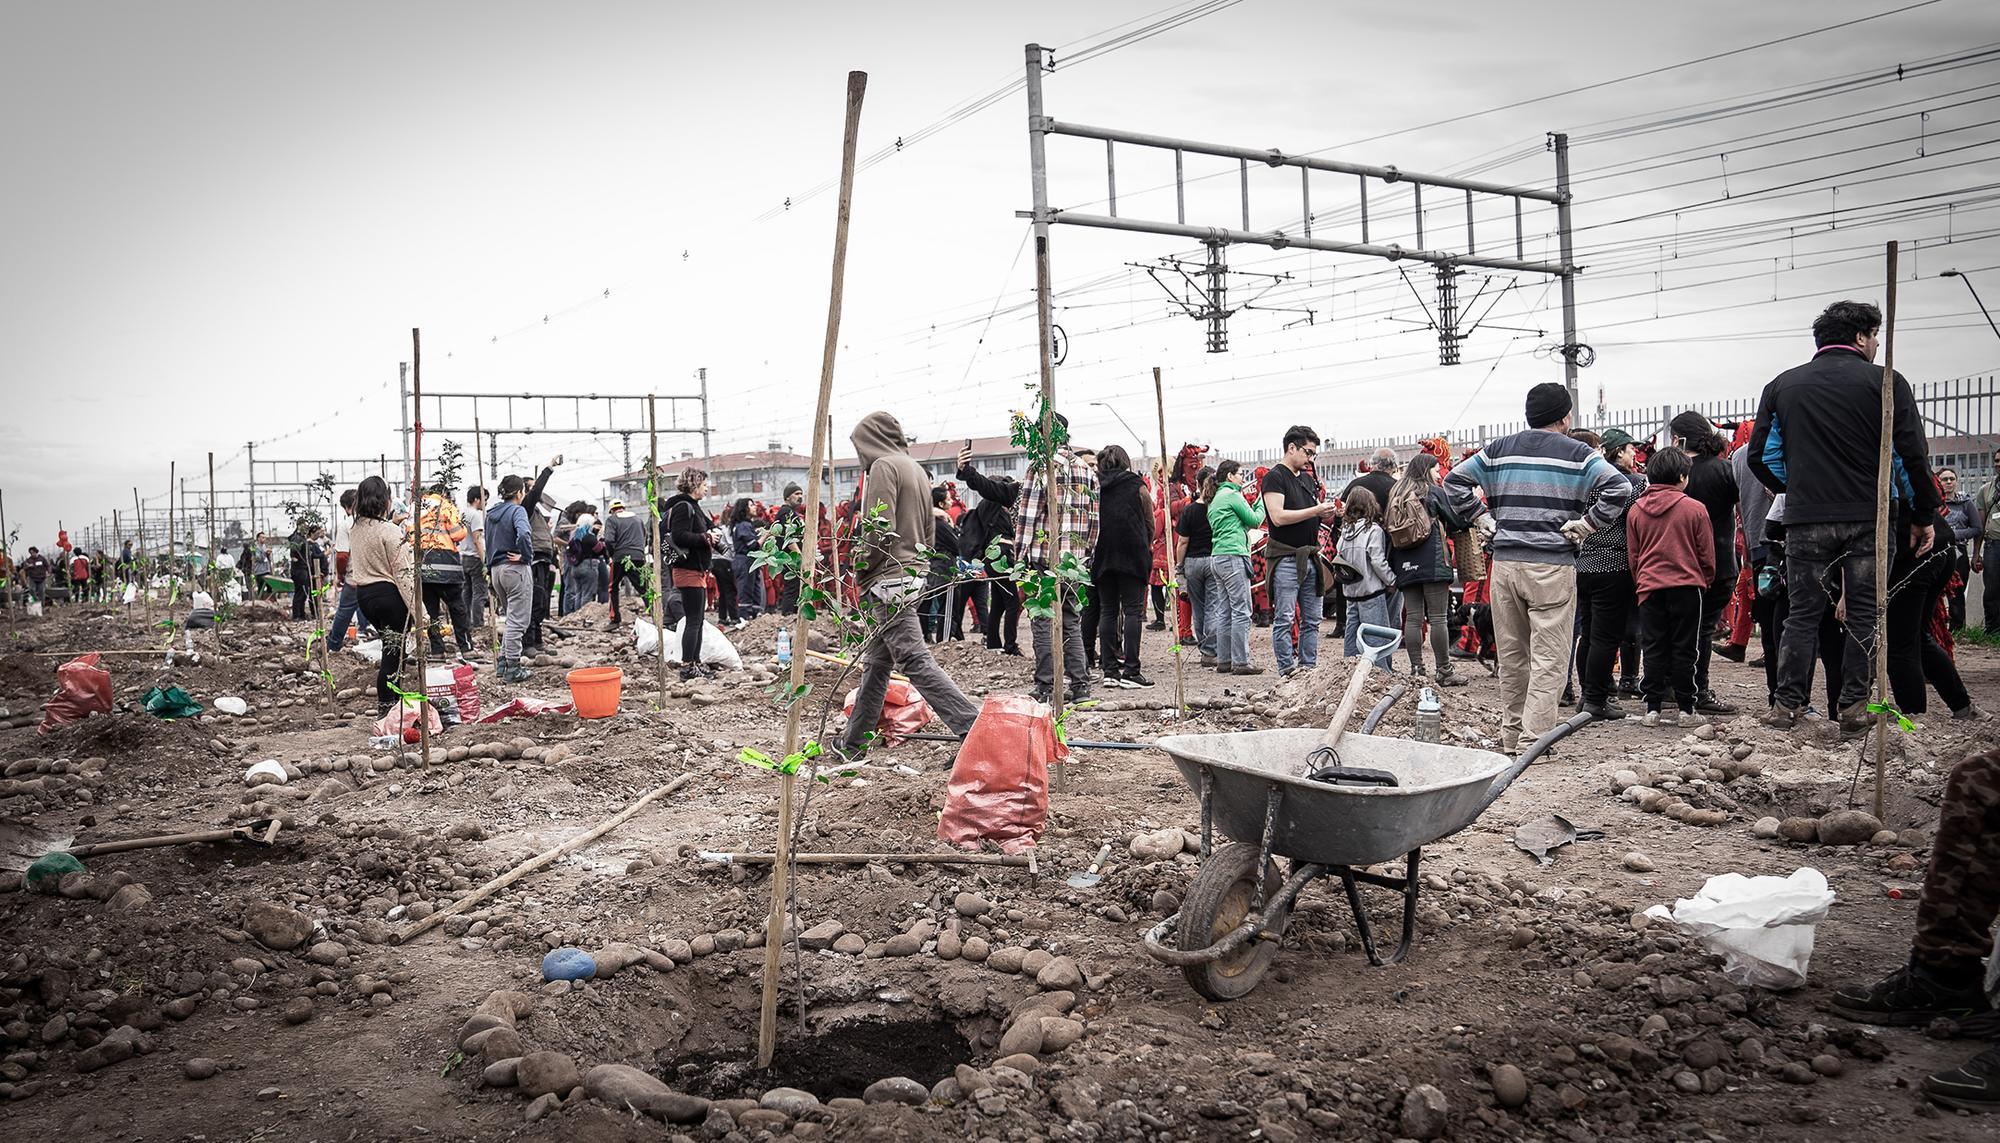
(1059, 1032)
(1510, 1086)
(1848, 827)
(539, 1073)
(975, 949)
(1060, 975)
(789, 1100)
(1024, 1036)
(1799, 829)
(326, 952)
(1035, 960)
(971, 905)
(897, 1089)
(1006, 959)
(622, 1086)
(1157, 845)
(1765, 828)
(1423, 1116)
(501, 1073)
(276, 927)
(849, 943)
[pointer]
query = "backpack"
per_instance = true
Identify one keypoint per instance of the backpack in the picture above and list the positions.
(1408, 521)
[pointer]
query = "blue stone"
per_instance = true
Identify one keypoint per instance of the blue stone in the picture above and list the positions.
(568, 964)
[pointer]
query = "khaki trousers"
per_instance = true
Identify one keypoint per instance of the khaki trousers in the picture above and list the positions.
(1534, 611)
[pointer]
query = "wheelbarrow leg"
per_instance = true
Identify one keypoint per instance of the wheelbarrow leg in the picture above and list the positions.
(1410, 888)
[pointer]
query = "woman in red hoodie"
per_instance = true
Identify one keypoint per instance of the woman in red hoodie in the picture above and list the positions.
(1672, 552)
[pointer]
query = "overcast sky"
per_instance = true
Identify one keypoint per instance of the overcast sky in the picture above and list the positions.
(225, 218)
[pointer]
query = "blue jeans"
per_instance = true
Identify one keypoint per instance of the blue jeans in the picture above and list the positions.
(1292, 593)
(1199, 579)
(1361, 611)
(1230, 621)
(344, 611)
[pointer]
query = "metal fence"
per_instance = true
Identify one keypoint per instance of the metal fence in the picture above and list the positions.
(1959, 417)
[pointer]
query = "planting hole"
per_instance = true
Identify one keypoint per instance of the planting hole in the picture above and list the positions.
(841, 1061)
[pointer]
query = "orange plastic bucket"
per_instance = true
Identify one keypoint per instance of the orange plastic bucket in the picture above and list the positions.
(595, 690)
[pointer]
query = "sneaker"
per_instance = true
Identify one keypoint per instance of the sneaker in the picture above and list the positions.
(1967, 713)
(1446, 677)
(1208, 661)
(1461, 653)
(1043, 694)
(1971, 1086)
(1604, 711)
(1653, 718)
(1135, 680)
(1245, 669)
(1285, 672)
(1569, 696)
(1670, 717)
(1730, 651)
(1014, 651)
(1690, 718)
(1114, 681)
(1156, 625)
(1910, 996)
(1781, 718)
(1707, 703)
(1857, 718)
(690, 672)
(1628, 688)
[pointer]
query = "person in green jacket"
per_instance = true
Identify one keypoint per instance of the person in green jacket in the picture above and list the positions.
(1229, 518)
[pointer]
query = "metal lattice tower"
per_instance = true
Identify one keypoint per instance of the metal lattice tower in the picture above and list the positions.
(1447, 315)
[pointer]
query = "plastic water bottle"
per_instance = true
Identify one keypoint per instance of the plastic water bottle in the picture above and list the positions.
(784, 647)
(1428, 711)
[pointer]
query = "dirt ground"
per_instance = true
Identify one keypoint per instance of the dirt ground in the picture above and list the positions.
(252, 991)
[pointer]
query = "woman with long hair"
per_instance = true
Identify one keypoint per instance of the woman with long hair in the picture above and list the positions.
(687, 526)
(743, 544)
(1121, 566)
(378, 565)
(1197, 577)
(724, 571)
(1230, 518)
(1365, 545)
(1423, 569)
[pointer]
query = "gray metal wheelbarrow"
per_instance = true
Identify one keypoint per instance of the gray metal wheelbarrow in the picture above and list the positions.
(1381, 799)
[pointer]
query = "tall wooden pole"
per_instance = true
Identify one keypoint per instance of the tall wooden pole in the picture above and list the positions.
(172, 481)
(1173, 549)
(417, 540)
(13, 572)
(774, 938)
(833, 493)
(211, 516)
(1883, 548)
(655, 523)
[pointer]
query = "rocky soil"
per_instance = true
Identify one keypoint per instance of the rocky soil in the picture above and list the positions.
(238, 990)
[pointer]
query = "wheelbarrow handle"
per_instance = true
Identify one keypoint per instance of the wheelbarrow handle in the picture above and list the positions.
(1535, 750)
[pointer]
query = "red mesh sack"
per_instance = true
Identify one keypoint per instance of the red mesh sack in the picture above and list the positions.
(82, 689)
(904, 712)
(999, 788)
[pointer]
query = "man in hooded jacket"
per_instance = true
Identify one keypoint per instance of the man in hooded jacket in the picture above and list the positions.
(895, 529)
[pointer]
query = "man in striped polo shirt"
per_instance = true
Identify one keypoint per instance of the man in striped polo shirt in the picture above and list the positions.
(1546, 492)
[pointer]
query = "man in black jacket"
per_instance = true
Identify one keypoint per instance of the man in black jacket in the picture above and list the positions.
(1817, 440)
(992, 521)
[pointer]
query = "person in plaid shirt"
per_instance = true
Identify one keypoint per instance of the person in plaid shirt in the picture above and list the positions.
(1075, 524)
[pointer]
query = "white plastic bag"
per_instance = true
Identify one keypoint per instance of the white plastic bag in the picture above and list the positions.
(270, 770)
(131, 592)
(369, 649)
(716, 649)
(1761, 926)
(647, 636)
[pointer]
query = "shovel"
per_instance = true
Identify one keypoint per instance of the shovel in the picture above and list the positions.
(25, 846)
(1390, 640)
(1094, 874)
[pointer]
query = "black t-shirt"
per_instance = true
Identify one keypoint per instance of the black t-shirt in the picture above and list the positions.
(1299, 491)
(1379, 484)
(1193, 527)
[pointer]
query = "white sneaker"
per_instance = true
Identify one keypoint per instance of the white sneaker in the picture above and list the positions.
(1652, 718)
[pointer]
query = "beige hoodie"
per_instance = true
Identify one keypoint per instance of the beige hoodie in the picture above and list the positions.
(899, 485)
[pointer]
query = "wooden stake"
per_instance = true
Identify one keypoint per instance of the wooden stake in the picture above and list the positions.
(538, 861)
(1007, 859)
(1173, 548)
(660, 573)
(172, 480)
(211, 516)
(1883, 547)
(1052, 513)
(145, 568)
(767, 1019)
(13, 572)
(417, 541)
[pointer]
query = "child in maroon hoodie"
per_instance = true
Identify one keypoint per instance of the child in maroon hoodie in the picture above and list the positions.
(1672, 552)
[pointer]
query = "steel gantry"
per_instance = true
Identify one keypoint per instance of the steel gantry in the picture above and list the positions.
(1218, 234)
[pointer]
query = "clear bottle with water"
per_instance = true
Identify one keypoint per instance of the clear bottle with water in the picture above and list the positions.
(1428, 715)
(784, 647)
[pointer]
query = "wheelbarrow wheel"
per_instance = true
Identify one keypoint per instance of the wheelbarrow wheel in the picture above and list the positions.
(1217, 902)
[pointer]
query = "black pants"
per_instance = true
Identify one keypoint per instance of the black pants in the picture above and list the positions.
(973, 595)
(1159, 602)
(383, 604)
(545, 582)
(725, 591)
(694, 618)
(452, 597)
(1003, 614)
(1671, 620)
(1955, 599)
(1914, 657)
(300, 598)
(1714, 601)
(1092, 614)
(1604, 601)
(1120, 600)
(627, 569)
(788, 595)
